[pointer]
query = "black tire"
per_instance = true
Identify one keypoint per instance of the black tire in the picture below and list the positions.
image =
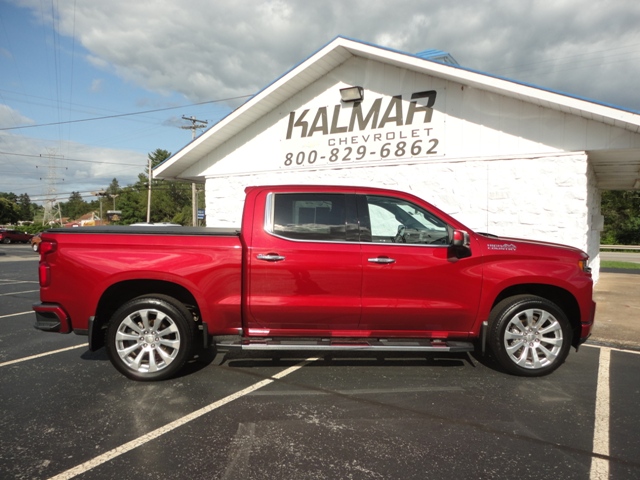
(6, 240)
(529, 336)
(150, 338)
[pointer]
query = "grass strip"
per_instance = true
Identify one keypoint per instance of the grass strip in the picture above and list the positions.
(623, 265)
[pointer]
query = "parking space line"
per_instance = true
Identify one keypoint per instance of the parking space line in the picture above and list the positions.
(614, 349)
(600, 466)
(24, 359)
(16, 293)
(122, 449)
(7, 281)
(16, 314)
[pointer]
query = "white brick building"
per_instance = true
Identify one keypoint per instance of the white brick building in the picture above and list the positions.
(502, 157)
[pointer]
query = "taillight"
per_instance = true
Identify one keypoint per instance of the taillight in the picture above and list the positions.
(44, 274)
(47, 247)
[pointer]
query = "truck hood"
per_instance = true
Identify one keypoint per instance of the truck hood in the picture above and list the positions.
(511, 244)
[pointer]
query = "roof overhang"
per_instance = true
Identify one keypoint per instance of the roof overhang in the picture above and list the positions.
(616, 169)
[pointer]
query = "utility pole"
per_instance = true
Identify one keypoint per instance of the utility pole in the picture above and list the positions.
(149, 195)
(195, 125)
(100, 194)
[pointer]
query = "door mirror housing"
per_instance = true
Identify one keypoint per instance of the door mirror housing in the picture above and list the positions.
(460, 238)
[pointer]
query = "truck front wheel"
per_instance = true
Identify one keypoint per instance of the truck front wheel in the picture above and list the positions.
(150, 338)
(529, 335)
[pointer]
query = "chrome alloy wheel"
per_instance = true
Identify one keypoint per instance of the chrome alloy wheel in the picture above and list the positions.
(533, 338)
(147, 340)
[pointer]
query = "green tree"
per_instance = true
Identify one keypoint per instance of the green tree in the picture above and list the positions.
(26, 212)
(132, 202)
(168, 199)
(113, 188)
(9, 210)
(621, 210)
(75, 207)
(158, 156)
(12, 197)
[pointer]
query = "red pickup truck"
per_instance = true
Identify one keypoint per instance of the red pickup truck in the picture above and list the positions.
(320, 268)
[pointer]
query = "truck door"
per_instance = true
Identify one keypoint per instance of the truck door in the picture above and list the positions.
(304, 266)
(412, 280)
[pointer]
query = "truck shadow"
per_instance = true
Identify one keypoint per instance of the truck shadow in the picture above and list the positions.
(192, 366)
(98, 355)
(257, 359)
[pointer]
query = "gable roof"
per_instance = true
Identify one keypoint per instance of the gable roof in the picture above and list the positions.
(430, 62)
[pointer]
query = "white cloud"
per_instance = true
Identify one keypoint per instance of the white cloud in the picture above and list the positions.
(10, 117)
(96, 85)
(207, 50)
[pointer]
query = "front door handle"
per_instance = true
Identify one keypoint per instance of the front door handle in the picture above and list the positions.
(270, 257)
(383, 260)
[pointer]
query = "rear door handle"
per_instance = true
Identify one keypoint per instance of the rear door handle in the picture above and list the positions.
(383, 260)
(270, 257)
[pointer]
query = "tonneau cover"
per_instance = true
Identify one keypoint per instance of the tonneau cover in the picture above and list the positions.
(149, 230)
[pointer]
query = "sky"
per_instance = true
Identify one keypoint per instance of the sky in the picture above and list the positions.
(89, 88)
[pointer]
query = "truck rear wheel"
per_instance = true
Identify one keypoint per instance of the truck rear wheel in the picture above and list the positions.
(150, 338)
(529, 335)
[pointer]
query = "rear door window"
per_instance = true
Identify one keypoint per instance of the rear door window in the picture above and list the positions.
(313, 216)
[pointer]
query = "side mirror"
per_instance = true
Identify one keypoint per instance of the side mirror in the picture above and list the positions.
(460, 239)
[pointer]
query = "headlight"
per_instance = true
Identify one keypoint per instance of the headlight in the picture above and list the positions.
(584, 266)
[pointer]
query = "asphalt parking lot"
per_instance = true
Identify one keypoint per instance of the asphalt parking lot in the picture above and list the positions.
(66, 413)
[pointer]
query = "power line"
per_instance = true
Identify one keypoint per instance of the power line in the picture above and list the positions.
(578, 56)
(46, 102)
(74, 159)
(89, 193)
(107, 117)
(588, 59)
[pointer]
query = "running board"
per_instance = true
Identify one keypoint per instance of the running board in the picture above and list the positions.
(337, 344)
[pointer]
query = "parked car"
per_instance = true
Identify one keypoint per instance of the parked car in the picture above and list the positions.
(14, 236)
